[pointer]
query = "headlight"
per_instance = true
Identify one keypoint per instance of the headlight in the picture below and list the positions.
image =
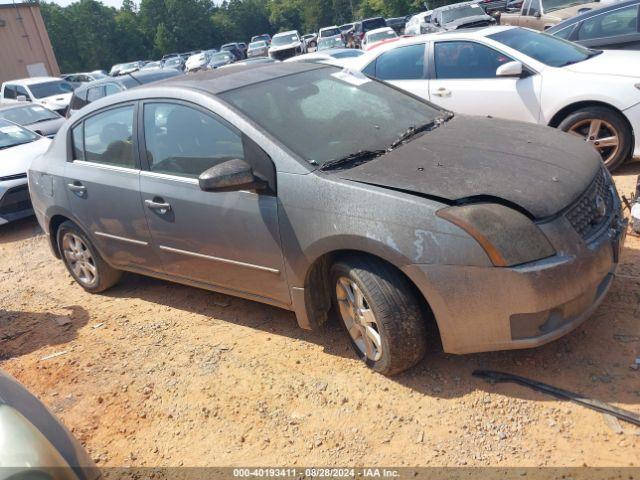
(508, 237)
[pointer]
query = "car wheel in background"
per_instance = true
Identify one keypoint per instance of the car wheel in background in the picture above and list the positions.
(83, 261)
(603, 128)
(381, 313)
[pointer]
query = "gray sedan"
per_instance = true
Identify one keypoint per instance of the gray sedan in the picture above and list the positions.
(325, 192)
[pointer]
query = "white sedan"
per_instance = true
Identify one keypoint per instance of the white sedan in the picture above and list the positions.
(520, 74)
(18, 147)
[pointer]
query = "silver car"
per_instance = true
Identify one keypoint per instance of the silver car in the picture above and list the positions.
(259, 48)
(323, 191)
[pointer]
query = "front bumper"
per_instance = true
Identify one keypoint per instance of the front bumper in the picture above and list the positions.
(488, 308)
(15, 202)
(285, 53)
(633, 116)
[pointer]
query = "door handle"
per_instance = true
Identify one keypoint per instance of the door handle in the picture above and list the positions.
(159, 206)
(77, 188)
(442, 92)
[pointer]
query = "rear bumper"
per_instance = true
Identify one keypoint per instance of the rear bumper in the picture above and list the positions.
(486, 308)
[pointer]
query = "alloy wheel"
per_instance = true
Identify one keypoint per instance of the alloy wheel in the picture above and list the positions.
(80, 260)
(599, 133)
(359, 319)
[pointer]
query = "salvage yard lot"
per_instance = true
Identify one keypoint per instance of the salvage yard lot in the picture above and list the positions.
(153, 373)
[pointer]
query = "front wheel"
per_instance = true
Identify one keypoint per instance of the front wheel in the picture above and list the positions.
(381, 313)
(606, 130)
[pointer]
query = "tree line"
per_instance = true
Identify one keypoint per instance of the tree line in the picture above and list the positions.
(88, 35)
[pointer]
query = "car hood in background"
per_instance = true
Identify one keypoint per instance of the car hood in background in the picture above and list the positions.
(284, 47)
(16, 160)
(624, 63)
(540, 169)
(475, 20)
(48, 128)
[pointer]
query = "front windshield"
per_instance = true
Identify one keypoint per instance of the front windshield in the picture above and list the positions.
(327, 43)
(12, 135)
(461, 12)
(379, 36)
(331, 32)
(284, 39)
(326, 114)
(28, 115)
(221, 57)
(173, 62)
(49, 89)
(545, 48)
(255, 45)
(552, 5)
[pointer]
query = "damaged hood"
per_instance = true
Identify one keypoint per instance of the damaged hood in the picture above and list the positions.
(540, 169)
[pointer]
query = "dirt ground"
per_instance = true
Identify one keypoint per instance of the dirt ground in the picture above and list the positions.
(157, 374)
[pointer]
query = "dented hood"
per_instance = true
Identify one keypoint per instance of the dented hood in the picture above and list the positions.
(540, 169)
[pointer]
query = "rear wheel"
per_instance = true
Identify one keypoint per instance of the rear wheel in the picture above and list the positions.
(380, 312)
(603, 128)
(83, 261)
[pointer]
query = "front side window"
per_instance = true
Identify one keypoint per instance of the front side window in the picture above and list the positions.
(108, 138)
(404, 63)
(534, 8)
(458, 60)
(184, 141)
(21, 91)
(10, 92)
(326, 114)
(623, 21)
(543, 47)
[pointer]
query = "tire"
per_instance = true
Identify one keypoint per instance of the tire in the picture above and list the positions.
(84, 263)
(612, 124)
(388, 298)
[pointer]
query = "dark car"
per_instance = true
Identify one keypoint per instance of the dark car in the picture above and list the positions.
(226, 180)
(460, 15)
(364, 26)
(236, 49)
(177, 63)
(612, 27)
(37, 118)
(220, 59)
(397, 24)
(90, 92)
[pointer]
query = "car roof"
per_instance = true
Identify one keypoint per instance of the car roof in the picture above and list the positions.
(32, 80)
(380, 30)
(332, 27)
(453, 6)
(289, 32)
(132, 80)
(592, 13)
(221, 80)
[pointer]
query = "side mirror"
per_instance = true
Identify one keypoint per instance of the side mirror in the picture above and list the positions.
(538, 14)
(229, 176)
(21, 98)
(509, 69)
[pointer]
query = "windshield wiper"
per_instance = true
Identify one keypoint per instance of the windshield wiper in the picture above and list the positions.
(413, 130)
(353, 159)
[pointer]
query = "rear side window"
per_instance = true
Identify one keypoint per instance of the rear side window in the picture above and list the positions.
(10, 92)
(404, 63)
(183, 141)
(373, 24)
(77, 139)
(111, 88)
(108, 138)
(457, 60)
(623, 21)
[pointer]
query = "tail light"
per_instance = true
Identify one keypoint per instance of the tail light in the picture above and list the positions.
(361, 35)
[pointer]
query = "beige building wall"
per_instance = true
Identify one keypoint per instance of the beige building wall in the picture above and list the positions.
(25, 48)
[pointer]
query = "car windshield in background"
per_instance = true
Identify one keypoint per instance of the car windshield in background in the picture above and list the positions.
(28, 115)
(552, 5)
(373, 24)
(377, 37)
(546, 49)
(173, 62)
(349, 53)
(12, 135)
(327, 114)
(255, 45)
(98, 75)
(330, 33)
(461, 12)
(221, 57)
(333, 42)
(49, 89)
(284, 40)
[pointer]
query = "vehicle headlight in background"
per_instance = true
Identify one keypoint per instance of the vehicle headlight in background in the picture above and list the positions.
(507, 236)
